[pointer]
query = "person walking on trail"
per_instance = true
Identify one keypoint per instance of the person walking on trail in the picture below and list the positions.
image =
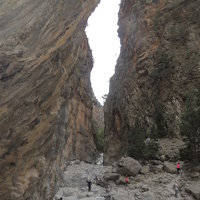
(176, 189)
(89, 183)
(126, 180)
(178, 168)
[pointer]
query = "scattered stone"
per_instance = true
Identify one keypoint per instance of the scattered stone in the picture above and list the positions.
(194, 189)
(155, 162)
(111, 176)
(145, 169)
(169, 167)
(194, 174)
(121, 180)
(156, 168)
(149, 196)
(100, 198)
(101, 182)
(163, 158)
(144, 188)
(77, 162)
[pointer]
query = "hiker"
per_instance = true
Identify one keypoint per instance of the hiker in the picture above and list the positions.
(176, 189)
(126, 180)
(89, 183)
(178, 169)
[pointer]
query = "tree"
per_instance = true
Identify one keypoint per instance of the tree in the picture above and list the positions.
(104, 97)
(136, 143)
(190, 124)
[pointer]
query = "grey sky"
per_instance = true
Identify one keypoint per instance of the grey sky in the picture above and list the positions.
(104, 42)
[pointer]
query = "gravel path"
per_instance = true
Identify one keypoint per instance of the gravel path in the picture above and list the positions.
(152, 186)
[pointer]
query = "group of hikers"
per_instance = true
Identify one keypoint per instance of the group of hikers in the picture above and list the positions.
(176, 187)
(178, 171)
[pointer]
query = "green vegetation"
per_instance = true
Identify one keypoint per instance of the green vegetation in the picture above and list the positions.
(159, 131)
(98, 136)
(179, 33)
(190, 125)
(100, 139)
(136, 144)
(164, 67)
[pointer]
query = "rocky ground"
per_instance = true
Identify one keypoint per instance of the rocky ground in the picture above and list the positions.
(152, 183)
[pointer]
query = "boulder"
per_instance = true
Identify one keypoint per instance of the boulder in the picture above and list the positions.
(169, 167)
(111, 176)
(101, 182)
(194, 174)
(194, 189)
(128, 166)
(143, 188)
(155, 162)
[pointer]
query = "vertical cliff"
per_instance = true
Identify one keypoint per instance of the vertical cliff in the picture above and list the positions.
(45, 94)
(159, 64)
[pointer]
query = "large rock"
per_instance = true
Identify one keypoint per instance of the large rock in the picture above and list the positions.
(111, 176)
(194, 189)
(128, 166)
(194, 174)
(169, 167)
(45, 94)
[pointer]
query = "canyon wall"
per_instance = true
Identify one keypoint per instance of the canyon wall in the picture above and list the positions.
(45, 94)
(159, 64)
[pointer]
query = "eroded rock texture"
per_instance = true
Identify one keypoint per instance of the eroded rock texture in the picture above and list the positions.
(158, 64)
(45, 94)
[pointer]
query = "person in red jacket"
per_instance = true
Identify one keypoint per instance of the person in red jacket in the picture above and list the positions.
(178, 168)
(126, 180)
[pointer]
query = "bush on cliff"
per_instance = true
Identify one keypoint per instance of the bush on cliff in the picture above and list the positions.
(98, 136)
(136, 144)
(190, 125)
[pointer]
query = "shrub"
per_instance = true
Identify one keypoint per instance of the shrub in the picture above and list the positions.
(98, 136)
(190, 124)
(100, 139)
(164, 67)
(136, 144)
(160, 130)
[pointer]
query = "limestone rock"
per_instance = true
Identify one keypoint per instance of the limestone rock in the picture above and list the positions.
(145, 169)
(194, 174)
(45, 94)
(158, 64)
(194, 189)
(155, 162)
(128, 166)
(111, 176)
(169, 167)
(156, 168)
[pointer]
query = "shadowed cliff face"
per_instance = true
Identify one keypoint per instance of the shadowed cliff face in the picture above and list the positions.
(45, 94)
(158, 64)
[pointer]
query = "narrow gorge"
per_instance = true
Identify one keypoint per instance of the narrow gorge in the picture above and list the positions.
(48, 111)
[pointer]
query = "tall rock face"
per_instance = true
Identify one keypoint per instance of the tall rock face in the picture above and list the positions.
(98, 124)
(45, 94)
(158, 65)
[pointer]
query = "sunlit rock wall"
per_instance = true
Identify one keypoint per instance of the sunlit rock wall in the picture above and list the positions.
(45, 94)
(158, 64)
